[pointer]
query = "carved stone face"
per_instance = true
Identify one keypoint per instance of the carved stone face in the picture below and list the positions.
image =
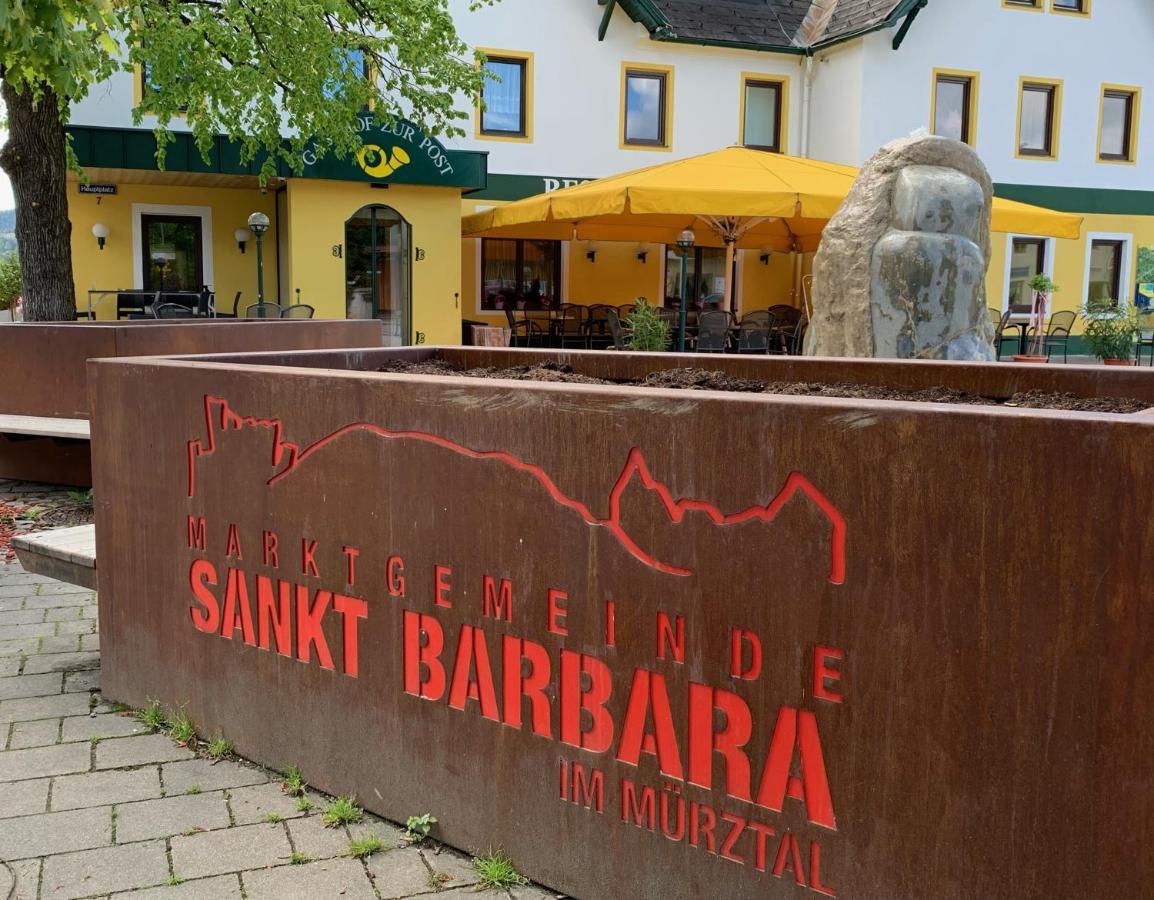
(937, 200)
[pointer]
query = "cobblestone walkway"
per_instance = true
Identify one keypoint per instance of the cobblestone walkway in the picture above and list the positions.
(92, 805)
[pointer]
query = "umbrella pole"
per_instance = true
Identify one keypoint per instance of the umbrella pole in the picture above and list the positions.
(730, 255)
(681, 312)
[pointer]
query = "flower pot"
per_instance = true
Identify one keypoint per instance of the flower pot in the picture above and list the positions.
(1120, 362)
(1030, 358)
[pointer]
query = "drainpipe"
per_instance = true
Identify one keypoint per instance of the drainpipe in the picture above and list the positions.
(803, 151)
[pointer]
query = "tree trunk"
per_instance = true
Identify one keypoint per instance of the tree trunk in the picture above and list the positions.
(36, 161)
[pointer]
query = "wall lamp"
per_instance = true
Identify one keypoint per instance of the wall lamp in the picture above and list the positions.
(642, 256)
(243, 236)
(591, 254)
(765, 255)
(100, 232)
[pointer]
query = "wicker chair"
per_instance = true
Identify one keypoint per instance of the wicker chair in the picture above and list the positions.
(297, 311)
(271, 311)
(172, 311)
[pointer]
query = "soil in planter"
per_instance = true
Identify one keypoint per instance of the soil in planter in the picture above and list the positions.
(695, 379)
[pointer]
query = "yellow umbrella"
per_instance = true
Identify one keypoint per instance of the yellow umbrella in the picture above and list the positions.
(746, 199)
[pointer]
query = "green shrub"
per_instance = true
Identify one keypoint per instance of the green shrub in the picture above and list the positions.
(1110, 329)
(650, 330)
(1145, 265)
(10, 284)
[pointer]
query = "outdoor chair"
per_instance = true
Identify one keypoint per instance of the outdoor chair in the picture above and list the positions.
(713, 331)
(758, 317)
(625, 310)
(129, 303)
(1145, 337)
(783, 328)
(1001, 322)
(1058, 332)
(797, 342)
(297, 311)
(752, 337)
(522, 332)
(569, 326)
(617, 330)
(597, 326)
(235, 308)
(271, 311)
(172, 311)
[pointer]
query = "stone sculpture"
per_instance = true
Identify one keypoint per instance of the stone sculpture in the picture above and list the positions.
(901, 269)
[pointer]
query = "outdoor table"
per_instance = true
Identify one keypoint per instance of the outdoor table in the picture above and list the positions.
(98, 295)
(1022, 323)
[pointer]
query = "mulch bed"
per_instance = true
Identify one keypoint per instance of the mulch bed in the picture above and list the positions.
(21, 516)
(695, 379)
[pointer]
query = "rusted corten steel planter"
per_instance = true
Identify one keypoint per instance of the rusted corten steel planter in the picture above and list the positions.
(43, 370)
(656, 644)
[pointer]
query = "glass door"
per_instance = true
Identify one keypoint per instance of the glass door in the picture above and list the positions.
(173, 254)
(378, 272)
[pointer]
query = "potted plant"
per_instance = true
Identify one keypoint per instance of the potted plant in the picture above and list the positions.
(10, 285)
(1043, 288)
(649, 330)
(1110, 331)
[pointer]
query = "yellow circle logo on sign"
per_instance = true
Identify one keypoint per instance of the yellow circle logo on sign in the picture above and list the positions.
(372, 159)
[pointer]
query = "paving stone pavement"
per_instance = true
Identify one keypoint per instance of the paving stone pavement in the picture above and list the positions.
(94, 806)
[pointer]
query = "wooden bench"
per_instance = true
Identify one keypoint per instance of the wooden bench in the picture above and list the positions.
(66, 554)
(40, 448)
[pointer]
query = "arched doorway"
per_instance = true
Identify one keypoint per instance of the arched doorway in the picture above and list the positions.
(378, 270)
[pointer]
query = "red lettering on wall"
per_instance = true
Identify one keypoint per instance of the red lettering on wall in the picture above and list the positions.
(787, 853)
(309, 631)
(735, 832)
(472, 653)
(351, 554)
(699, 830)
(648, 694)
(441, 575)
(739, 638)
(237, 611)
(395, 575)
(196, 533)
(825, 678)
(351, 609)
(797, 730)
(575, 697)
(498, 604)
(273, 617)
(672, 801)
(704, 740)
(233, 548)
(308, 557)
(671, 637)
(641, 812)
(516, 652)
(269, 553)
(610, 623)
(589, 789)
(815, 871)
(421, 657)
(207, 617)
(557, 612)
(763, 832)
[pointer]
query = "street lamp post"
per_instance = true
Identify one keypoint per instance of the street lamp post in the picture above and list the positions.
(258, 225)
(685, 242)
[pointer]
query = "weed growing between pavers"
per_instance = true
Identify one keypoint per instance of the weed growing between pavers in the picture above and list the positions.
(173, 880)
(294, 783)
(417, 828)
(153, 717)
(342, 811)
(274, 818)
(304, 804)
(219, 747)
(366, 845)
(495, 870)
(299, 859)
(181, 728)
(193, 789)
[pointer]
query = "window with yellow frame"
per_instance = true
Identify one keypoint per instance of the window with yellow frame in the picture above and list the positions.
(1071, 7)
(954, 105)
(764, 112)
(1039, 118)
(1118, 117)
(505, 110)
(646, 107)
